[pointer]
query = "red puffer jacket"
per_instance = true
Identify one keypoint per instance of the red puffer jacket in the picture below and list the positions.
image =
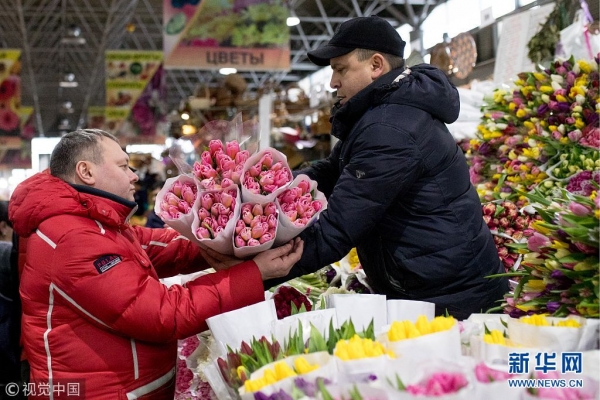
(95, 315)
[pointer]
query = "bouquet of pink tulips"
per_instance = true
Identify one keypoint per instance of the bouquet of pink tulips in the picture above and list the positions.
(265, 175)
(220, 166)
(214, 218)
(255, 229)
(299, 205)
(175, 202)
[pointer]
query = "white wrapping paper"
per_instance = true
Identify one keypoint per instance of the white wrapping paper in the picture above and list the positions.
(183, 224)
(287, 230)
(400, 310)
(555, 338)
(360, 308)
(320, 319)
(233, 327)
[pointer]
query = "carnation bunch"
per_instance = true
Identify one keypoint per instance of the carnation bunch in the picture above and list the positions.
(257, 224)
(215, 211)
(220, 167)
(266, 176)
(178, 200)
(298, 203)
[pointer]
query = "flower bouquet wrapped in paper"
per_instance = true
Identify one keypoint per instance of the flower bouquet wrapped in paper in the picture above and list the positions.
(357, 358)
(587, 391)
(281, 374)
(319, 320)
(431, 379)
(255, 229)
(549, 333)
(221, 165)
(491, 383)
(299, 205)
(425, 339)
(233, 327)
(215, 215)
(399, 310)
(175, 201)
(265, 175)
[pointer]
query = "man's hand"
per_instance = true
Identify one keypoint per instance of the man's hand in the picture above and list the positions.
(219, 261)
(275, 263)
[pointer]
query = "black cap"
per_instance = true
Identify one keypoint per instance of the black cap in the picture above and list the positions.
(372, 33)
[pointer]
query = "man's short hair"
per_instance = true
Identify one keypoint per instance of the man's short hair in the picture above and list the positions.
(394, 61)
(82, 144)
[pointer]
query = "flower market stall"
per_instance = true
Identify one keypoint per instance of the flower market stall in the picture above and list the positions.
(535, 162)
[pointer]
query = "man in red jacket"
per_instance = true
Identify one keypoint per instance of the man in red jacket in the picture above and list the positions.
(95, 315)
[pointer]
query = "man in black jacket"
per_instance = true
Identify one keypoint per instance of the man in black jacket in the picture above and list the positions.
(397, 184)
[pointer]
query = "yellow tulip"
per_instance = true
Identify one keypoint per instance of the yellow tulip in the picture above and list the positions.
(303, 367)
(569, 322)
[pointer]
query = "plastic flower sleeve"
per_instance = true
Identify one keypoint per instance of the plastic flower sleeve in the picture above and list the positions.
(254, 229)
(264, 176)
(218, 221)
(178, 220)
(233, 327)
(297, 212)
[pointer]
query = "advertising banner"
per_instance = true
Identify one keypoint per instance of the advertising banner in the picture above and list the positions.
(249, 35)
(128, 73)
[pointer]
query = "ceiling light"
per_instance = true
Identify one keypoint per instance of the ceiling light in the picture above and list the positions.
(69, 81)
(227, 71)
(185, 116)
(73, 36)
(188, 129)
(292, 21)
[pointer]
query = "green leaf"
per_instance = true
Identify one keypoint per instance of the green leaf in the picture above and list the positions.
(504, 323)
(399, 383)
(355, 394)
(520, 285)
(573, 257)
(332, 339)
(324, 393)
(369, 333)
(486, 330)
(294, 308)
(316, 342)
(499, 208)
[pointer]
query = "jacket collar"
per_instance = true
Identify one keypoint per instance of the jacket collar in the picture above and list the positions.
(106, 206)
(343, 117)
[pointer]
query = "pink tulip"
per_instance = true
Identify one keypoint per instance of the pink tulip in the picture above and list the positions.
(267, 178)
(206, 158)
(218, 229)
(304, 185)
(239, 242)
(309, 212)
(225, 183)
(226, 163)
(222, 220)
(247, 216)
(184, 206)
(232, 148)
(207, 200)
(203, 233)
(277, 166)
(253, 242)
(270, 209)
(246, 207)
(241, 157)
(537, 241)
(282, 177)
(292, 215)
(485, 374)
(171, 199)
(272, 221)
(246, 233)
(207, 171)
(208, 184)
(301, 205)
(176, 188)
(227, 200)
(438, 384)
(203, 213)
(316, 205)
(209, 223)
(267, 159)
(214, 146)
(257, 209)
(270, 188)
(267, 237)
(579, 209)
(253, 171)
(239, 225)
(237, 173)
(174, 212)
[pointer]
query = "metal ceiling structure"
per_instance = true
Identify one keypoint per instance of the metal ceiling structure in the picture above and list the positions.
(50, 33)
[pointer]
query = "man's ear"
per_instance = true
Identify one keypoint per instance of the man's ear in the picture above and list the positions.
(85, 173)
(378, 66)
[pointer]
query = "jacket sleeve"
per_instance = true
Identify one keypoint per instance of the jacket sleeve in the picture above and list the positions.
(384, 162)
(128, 299)
(170, 252)
(324, 171)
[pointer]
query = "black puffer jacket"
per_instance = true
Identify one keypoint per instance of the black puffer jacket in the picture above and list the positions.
(398, 190)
